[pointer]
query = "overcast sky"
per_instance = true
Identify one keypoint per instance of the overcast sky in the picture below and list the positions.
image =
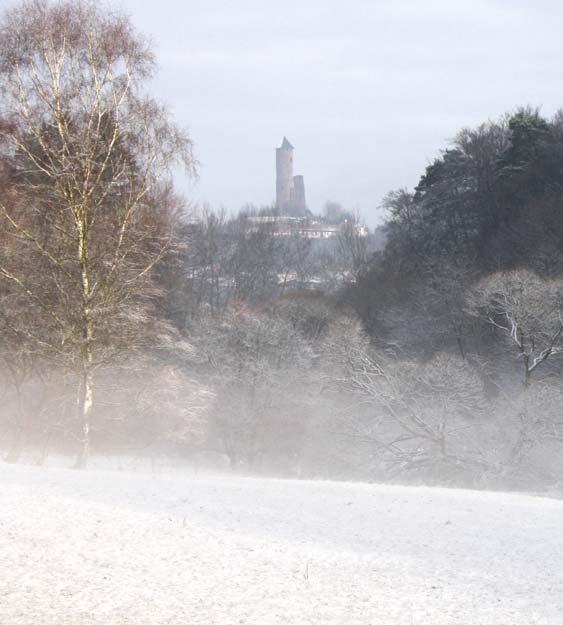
(367, 91)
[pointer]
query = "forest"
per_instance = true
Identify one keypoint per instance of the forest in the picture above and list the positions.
(134, 323)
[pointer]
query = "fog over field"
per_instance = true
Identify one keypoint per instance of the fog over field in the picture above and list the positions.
(281, 326)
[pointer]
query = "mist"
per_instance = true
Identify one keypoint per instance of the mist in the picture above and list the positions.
(368, 92)
(281, 326)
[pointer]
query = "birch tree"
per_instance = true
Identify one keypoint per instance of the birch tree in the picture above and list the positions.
(85, 214)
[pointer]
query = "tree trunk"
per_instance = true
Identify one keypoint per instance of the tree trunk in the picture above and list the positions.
(460, 346)
(85, 413)
(87, 383)
(527, 372)
(17, 446)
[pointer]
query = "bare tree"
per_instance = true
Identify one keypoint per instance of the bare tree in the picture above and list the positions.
(206, 260)
(86, 212)
(352, 247)
(414, 417)
(525, 308)
(253, 359)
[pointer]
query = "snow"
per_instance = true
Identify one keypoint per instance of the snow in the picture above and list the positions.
(113, 548)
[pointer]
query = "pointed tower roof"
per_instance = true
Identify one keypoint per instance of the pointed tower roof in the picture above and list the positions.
(286, 145)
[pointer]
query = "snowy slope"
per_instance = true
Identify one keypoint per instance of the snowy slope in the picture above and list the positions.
(108, 548)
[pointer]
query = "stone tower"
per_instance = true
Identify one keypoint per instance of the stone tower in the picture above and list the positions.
(284, 176)
(290, 189)
(299, 205)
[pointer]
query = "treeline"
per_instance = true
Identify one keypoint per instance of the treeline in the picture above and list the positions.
(490, 203)
(130, 324)
(472, 272)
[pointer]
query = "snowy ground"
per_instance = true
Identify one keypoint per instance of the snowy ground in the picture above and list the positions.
(110, 548)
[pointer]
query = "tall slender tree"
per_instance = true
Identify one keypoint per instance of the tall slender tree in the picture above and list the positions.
(85, 213)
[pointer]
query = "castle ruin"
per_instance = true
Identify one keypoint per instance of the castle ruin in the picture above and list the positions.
(290, 189)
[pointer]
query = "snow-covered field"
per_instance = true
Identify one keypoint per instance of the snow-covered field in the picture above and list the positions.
(110, 548)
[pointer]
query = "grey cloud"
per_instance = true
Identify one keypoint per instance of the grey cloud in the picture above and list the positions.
(368, 91)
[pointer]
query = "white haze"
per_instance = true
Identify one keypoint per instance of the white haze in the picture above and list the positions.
(260, 375)
(367, 91)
